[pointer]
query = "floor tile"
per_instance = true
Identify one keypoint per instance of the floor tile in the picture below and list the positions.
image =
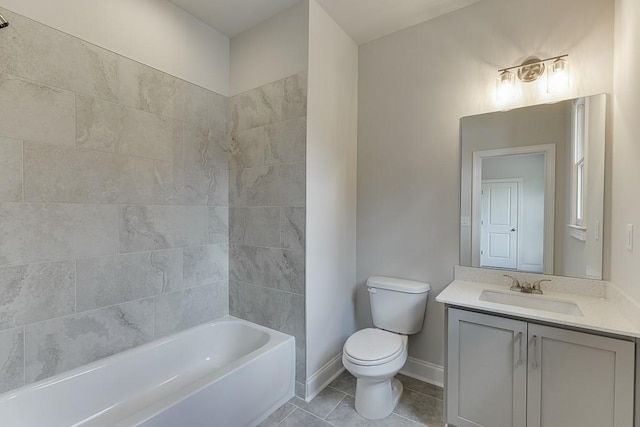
(420, 408)
(322, 404)
(345, 415)
(345, 382)
(420, 386)
(276, 417)
(300, 418)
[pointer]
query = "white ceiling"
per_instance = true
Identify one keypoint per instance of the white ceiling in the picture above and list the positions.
(363, 20)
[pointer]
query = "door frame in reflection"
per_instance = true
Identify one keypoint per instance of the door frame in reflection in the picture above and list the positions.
(549, 152)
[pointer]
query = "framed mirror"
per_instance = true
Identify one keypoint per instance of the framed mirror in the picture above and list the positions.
(532, 188)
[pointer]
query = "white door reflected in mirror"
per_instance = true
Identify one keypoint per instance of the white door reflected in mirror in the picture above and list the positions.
(499, 241)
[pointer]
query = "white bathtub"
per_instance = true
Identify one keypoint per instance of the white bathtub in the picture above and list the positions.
(226, 373)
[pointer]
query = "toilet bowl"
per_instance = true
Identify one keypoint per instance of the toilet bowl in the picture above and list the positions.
(375, 355)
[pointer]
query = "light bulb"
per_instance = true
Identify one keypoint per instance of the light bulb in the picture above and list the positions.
(505, 87)
(558, 76)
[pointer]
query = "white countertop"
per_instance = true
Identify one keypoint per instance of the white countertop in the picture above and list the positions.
(600, 314)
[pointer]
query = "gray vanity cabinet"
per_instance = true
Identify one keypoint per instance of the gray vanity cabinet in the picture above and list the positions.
(503, 372)
(486, 370)
(578, 379)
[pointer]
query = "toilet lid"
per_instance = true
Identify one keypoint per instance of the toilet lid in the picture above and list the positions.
(371, 345)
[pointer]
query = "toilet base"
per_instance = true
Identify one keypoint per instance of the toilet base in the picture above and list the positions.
(376, 399)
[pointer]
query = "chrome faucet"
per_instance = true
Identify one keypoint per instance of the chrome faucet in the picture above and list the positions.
(515, 284)
(526, 287)
(536, 286)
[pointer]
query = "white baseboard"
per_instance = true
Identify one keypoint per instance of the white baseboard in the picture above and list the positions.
(424, 371)
(318, 381)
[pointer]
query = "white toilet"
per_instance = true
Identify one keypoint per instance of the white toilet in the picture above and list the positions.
(375, 356)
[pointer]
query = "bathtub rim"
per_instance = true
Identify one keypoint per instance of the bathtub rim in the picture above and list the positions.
(275, 338)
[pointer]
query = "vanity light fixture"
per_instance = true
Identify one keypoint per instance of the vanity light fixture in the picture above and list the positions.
(558, 75)
(556, 67)
(505, 87)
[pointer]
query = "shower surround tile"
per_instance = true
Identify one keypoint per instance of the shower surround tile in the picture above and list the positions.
(65, 343)
(11, 359)
(281, 142)
(293, 228)
(100, 158)
(282, 311)
(286, 141)
(147, 89)
(194, 104)
(218, 112)
(35, 292)
(257, 107)
(54, 58)
(34, 232)
(99, 124)
(301, 357)
(282, 185)
(205, 265)
(294, 102)
(181, 310)
(148, 228)
(168, 183)
(35, 112)
(113, 128)
(237, 190)
(269, 267)
(267, 187)
(206, 186)
(206, 147)
(56, 174)
(248, 147)
(255, 226)
(281, 100)
(116, 279)
(218, 225)
(10, 170)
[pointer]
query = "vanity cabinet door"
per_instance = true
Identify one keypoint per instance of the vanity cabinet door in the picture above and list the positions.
(578, 379)
(486, 370)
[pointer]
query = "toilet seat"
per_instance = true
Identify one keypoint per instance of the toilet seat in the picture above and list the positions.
(370, 347)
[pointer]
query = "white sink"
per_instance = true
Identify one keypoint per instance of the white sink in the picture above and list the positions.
(536, 302)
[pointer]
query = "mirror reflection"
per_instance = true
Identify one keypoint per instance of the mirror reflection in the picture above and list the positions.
(532, 190)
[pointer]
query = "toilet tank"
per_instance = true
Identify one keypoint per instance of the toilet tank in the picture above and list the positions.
(397, 305)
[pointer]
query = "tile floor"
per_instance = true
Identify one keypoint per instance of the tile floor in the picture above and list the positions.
(420, 405)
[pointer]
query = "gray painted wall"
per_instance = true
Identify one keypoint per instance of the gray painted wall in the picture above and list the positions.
(414, 86)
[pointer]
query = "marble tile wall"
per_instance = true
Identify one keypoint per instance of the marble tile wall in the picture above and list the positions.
(114, 189)
(267, 209)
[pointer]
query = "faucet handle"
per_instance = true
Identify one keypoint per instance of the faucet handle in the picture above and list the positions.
(515, 284)
(536, 286)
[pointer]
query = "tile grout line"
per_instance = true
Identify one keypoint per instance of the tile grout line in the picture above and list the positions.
(409, 419)
(22, 165)
(75, 286)
(289, 414)
(24, 355)
(116, 97)
(314, 415)
(153, 297)
(336, 405)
